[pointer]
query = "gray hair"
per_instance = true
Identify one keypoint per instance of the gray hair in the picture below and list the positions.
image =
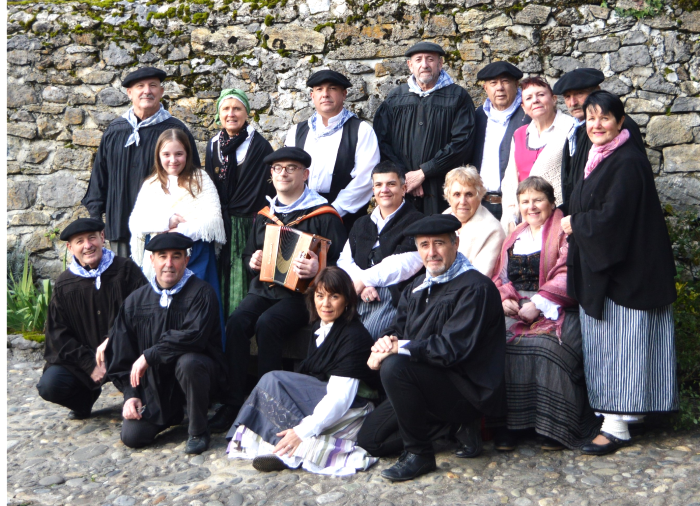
(466, 176)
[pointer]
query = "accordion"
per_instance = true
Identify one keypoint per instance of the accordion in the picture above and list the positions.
(284, 244)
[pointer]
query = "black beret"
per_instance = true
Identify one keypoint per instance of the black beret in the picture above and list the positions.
(328, 76)
(169, 240)
(499, 68)
(82, 225)
(289, 153)
(141, 74)
(425, 47)
(433, 225)
(578, 79)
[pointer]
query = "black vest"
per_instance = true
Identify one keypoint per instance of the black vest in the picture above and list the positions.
(364, 235)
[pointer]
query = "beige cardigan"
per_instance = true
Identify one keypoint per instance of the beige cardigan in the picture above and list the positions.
(547, 166)
(480, 239)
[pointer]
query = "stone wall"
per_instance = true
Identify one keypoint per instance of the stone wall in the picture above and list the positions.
(66, 62)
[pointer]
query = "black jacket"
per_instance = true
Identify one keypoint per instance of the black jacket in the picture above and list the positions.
(620, 246)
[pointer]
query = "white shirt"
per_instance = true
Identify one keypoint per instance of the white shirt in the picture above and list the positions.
(393, 269)
(324, 152)
(537, 140)
(527, 244)
(242, 150)
(496, 127)
(340, 393)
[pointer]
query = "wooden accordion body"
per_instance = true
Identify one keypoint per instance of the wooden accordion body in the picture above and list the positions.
(284, 244)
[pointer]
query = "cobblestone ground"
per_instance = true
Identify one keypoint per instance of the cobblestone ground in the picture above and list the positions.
(53, 461)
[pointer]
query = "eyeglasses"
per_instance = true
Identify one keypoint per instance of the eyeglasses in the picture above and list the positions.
(289, 169)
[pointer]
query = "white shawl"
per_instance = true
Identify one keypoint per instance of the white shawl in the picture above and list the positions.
(154, 208)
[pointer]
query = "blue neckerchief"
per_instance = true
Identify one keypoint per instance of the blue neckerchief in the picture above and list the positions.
(105, 262)
(310, 198)
(572, 135)
(503, 116)
(443, 80)
(166, 296)
(129, 115)
(460, 265)
(345, 115)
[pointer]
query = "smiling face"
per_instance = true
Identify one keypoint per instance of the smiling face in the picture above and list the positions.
(426, 68)
(464, 201)
(574, 100)
(437, 252)
(232, 115)
(330, 306)
(539, 103)
(328, 99)
(87, 248)
(501, 91)
(535, 208)
(388, 192)
(602, 127)
(145, 96)
(289, 184)
(169, 265)
(173, 157)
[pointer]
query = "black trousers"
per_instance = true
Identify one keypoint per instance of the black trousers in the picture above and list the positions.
(60, 386)
(495, 209)
(196, 376)
(271, 321)
(421, 400)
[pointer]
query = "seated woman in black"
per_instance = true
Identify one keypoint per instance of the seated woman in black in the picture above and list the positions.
(311, 418)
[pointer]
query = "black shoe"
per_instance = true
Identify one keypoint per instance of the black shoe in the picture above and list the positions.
(410, 466)
(504, 440)
(268, 463)
(551, 445)
(223, 418)
(469, 437)
(615, 444)
(198, 444)
(77, 415)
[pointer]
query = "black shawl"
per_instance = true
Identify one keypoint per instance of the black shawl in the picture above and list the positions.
(620, 246)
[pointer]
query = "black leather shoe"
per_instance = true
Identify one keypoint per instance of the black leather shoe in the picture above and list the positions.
(615, 444)
(223, 418)
(410, 466)
(469, 437)
(198, 444)
(504, 440)
(77, 415)
(268, 463)
(551, 445)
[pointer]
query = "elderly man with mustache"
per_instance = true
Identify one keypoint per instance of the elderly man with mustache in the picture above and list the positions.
(126, 154)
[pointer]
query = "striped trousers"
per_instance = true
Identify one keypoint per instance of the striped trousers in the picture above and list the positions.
(629, 360)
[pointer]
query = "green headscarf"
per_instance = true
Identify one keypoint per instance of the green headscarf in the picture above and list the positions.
(235, 93)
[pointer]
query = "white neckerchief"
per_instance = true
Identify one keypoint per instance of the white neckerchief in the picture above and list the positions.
(105, 262)
(322, 333)
(502, 117)
(166, 295)
(444, 80)
(310, 198)
(459, 266)
(334, 124)
(538, 140)
(129, 116)
(572, 135)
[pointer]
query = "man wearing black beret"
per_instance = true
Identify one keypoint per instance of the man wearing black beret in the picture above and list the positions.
(86, 299)
(426, 127)
(496, 121)
(271, 312)
(165, 349)
(343, 148)
(441, 360)
(126, 154)
(575, 86)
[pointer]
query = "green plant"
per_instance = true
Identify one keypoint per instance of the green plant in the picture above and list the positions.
(650, 9)
(26, 305)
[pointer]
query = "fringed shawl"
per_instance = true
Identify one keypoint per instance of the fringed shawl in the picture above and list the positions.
(153, 208)
(552, 275)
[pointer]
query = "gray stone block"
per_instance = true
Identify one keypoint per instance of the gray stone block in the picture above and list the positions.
(629, 56)
(683, 158)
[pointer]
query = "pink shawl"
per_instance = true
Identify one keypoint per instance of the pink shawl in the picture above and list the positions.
(599, 153)
(552, 276)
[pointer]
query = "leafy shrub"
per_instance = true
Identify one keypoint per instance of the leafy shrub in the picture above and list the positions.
(27, 306)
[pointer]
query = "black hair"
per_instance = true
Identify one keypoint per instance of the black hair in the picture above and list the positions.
(607, 102)
(389, 167)
(333, 280)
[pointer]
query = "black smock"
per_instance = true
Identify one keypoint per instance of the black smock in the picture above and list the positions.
(80, 317)
(620, 246)
(572, 168)
(433, 133)
(458, 326)
(326, 225)
(119, 172)
(190, 324)
(364, 236)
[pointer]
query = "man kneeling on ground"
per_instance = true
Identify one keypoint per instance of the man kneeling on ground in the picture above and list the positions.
(441, 361)
(165, 349)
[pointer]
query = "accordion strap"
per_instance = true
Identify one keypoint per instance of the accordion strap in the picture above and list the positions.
(321, 210)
